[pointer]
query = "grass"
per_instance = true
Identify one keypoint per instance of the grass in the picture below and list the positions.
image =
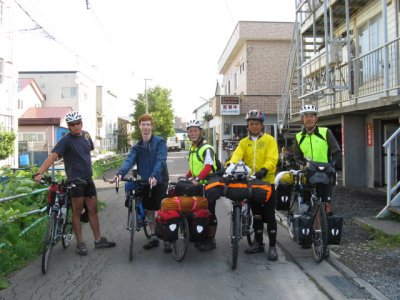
(14, 258)
(383, 240)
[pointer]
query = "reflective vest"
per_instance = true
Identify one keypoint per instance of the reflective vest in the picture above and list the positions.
(314, 146)
(196, 159)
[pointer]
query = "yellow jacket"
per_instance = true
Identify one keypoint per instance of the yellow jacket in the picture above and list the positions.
(262, 153)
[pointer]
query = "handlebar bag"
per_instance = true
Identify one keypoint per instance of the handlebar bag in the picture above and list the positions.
(167, 223)
(187, 188)
(214, 189)
(237, 191)
(198, 226)
(261, 191)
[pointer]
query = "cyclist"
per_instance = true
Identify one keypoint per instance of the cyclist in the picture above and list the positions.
(317, 144)
(202, 162)
(75, 148)
(259, 151)
(150, 156)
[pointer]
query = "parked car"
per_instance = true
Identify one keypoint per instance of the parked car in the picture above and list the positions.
(173, 143)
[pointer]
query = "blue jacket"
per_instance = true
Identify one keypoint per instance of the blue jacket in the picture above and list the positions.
(151, 160)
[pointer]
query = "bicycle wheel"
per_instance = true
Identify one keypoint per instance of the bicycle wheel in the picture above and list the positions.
(235, 234)
(131, 228)
(146, 227)
(247, 226)
(49, 241)
(293, 213)
(67, 236)
(179, 246)
(319, 233)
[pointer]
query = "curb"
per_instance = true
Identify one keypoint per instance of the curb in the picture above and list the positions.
(336, 264)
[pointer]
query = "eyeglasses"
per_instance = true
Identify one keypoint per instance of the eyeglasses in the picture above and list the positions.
(75, 123)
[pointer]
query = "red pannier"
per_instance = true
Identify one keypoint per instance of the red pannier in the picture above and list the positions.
(167, 223)
(183, 203)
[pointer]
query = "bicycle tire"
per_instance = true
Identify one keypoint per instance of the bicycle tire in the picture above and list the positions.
(319, 233)
(131, 228)
(49, 241)
(235, 236)
(146, 226)
(247, 226)
(179, 246)
(293, 212)
(66, 236)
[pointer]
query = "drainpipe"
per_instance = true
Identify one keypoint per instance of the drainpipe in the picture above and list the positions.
(327, 74)
(349, 58)
(385, 48)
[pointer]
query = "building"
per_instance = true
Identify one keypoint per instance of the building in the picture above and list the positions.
(253, 66)
(345, 60)
(8, 78)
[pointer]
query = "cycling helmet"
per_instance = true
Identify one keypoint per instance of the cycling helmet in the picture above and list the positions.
(194, 123)
(309, 109)
(255, 115)
(73, 116)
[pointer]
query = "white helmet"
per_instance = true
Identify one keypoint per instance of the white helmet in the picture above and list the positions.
(194, 123)
(309, 109)
(73, 116)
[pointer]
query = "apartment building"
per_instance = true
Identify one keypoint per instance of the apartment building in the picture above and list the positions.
(253, 67)
(345, 60)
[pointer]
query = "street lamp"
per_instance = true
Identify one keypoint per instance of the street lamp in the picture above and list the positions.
(145, 94)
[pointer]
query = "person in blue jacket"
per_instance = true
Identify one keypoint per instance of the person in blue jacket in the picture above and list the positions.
(150, 156)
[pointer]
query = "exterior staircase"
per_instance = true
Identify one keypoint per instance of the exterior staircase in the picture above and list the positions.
(393, 188)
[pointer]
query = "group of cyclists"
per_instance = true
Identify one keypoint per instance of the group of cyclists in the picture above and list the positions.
(258, 150)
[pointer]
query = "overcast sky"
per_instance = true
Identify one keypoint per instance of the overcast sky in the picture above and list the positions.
(175, 43)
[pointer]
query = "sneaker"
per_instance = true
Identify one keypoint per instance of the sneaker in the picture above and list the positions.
(103, 243)
(167, 247)
(208, 245)
(152, 243)
(256, 248)
(81, 248)
(272, 254)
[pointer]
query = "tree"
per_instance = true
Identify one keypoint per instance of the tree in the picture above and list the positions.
(160, 107)
(6, 143)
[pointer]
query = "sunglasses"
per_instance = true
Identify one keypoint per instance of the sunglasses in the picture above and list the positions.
(75, 123)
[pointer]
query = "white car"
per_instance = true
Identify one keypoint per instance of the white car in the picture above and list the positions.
(173, 143)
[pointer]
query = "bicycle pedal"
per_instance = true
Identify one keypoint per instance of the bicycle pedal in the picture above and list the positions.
(69, 237)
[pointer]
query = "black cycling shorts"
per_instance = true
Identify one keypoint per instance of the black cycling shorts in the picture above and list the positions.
(84, 190)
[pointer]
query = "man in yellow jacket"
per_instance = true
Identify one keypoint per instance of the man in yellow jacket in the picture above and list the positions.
(259, 151)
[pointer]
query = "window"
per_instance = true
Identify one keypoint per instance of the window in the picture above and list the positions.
(31, 136)
(239, 131)
(369, 38)
(69, 92)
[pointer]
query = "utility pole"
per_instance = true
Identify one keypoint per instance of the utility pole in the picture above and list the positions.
(145, 94)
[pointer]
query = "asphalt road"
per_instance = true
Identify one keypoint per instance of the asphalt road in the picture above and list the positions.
(108, 274)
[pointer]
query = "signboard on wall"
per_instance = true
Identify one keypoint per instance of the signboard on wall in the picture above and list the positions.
(230, 105)
(369, 134)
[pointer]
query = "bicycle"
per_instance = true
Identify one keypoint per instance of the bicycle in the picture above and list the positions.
(241, 218)
(137, 217)
(180, 244)
(313, 218)
(59, 225)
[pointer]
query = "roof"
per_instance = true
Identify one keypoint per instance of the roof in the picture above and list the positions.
(24, 82)
(44, 116)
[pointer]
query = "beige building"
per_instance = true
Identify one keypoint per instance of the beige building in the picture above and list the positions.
(345, 60)
(252, 66)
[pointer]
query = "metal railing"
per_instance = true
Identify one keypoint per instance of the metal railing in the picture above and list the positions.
(393, 188)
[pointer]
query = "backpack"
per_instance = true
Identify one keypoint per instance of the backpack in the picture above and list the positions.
(218, 169)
